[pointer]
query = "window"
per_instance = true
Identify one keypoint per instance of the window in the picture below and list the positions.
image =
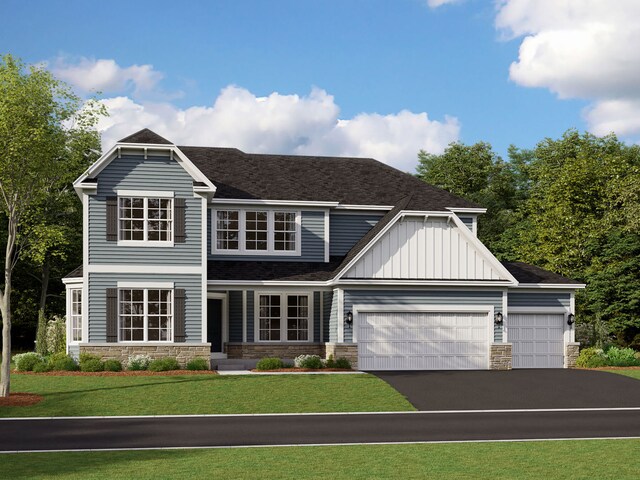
(145, 315)
(75, 315)
(283, 317)
(261, 232)
(145, 219)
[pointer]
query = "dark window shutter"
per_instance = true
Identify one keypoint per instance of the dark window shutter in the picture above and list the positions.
(112, 314)
(179, 315)
(112, 219)
(179, 235)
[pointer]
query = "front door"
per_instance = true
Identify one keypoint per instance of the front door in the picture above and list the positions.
(214, 324)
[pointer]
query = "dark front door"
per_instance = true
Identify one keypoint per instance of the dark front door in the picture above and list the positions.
(214, 324)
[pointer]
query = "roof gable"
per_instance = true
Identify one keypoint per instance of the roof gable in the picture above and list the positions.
(145, 136)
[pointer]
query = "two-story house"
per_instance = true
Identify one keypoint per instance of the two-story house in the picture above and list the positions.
(216, 253)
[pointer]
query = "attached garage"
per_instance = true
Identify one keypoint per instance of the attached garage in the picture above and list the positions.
(537, 339)
(415, 339)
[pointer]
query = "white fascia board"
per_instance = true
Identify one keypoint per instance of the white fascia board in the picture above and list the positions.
(363, 207)
(296, 203)
(434, 283)
(553, 286)
(467, 210)
(72, 281)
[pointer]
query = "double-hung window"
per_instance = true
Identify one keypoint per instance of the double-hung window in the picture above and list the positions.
(283, 318)
(145, 314)
(145, 219)
(261, 232)
(75, 315)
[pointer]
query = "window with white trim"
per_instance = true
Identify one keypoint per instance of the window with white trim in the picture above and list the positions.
(256, 232)
(75, 315)
(145, 219)
(283, 317)
(145, 314)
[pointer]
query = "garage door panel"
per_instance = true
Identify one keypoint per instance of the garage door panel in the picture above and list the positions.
(537, 340)
(422, 340)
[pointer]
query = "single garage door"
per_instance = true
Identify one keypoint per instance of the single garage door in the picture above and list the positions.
(423, 341)
(537, 339)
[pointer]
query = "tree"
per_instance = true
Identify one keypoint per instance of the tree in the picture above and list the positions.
(39, 118)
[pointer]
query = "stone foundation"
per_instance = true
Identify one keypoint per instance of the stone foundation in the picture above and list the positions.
(346, 350)
(278, 350)
(500, 356)
(571, 352)
(182, 352)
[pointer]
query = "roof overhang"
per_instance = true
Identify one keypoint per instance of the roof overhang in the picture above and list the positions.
(553, 286)
(471, 211)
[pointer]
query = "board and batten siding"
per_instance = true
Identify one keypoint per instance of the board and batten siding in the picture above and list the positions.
(97, 301)
(417, 249)
(535, 299)
(311, 240)
(156, 173)
(386, 298)
(346, 229)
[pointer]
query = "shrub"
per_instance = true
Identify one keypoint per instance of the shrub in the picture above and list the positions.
(330, 362)
(25, 362)
(87, 357)
(591, 358)
(308, 361)
(138, 362)
(343, 363)
(41, 367)
(56, 334)
(269, 363)
(41, 335)
(92, 365)
(621, 357)
(164, 364)
(61, 361)
(112, 365)
(198, 364)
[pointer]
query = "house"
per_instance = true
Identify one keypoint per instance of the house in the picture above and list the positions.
(216, 253)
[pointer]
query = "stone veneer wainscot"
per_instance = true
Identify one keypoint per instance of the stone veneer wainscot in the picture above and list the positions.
(500, 356)
(118, 351)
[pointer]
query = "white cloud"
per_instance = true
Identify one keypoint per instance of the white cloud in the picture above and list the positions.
(439, 3)
(288, 124)
(580, 49)
(106, 76)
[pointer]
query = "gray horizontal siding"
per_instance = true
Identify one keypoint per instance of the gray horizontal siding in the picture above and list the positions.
(235, 316)
(156, 173)
(316, 316)
(312, 240)
(346, 229)
(250, 315)
(326, 310)
(99, 282)
(534, 299)
(74, 351)
(399, 297)
(333, 319)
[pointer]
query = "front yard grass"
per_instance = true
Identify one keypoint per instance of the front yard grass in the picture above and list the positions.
(628, 372)
(203, 394)
(605, 459)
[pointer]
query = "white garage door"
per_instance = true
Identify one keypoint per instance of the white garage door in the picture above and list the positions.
(537, 339)
(423, 341)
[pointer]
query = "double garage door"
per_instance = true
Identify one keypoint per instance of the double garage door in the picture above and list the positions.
(409, 340)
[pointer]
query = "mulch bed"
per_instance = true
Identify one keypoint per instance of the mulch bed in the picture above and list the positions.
(126, 373)
(613, 368)
(304, 370)
(20, 400)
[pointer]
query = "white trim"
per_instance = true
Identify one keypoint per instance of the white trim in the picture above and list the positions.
(467, 210)
(413, 282)
(145, 287)
(145, 242)
(203, 239)
(283, 315)
(347, 206)
(562, 286)
(505, 314)
(142, 285)
(572, 309)
(145, 193)
(534, 309)
(326, 235)
(293, 203)
(340, 314)
(170, 269)
(72, 281)
(85, 266)
(244, 315)
(321, 319)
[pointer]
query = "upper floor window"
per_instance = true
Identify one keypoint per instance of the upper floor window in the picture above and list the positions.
(248, 232)
(145, 219)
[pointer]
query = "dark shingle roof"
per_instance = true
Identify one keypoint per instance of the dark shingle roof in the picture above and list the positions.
(355, 181)
(263, 271)
(525, 273)
(77, 273)
(145, 136)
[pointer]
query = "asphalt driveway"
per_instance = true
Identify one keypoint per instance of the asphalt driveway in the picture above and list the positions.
(515, 389)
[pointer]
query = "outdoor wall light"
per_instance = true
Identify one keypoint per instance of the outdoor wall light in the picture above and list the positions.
(348, 319)
(571, 319)
(498, 318)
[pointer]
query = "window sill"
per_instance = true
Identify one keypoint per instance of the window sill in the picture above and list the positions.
(143, 243)
(259, 253)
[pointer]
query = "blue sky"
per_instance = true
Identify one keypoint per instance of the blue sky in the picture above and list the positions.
(333, 77)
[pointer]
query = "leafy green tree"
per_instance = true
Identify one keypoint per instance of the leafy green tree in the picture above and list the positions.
(39, 119)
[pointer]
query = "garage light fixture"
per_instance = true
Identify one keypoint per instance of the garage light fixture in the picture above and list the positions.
(348, 319)
(498, 318)
(571, 319)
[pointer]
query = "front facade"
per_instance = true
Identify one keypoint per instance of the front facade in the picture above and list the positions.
(215, 253)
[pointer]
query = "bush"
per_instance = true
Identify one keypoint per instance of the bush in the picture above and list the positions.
(41, 367)
(112, 366)
(198, 364)
(56, 335)
(138, 362)
(25, 362)
(591, 358)
(164, 364)
(61, 361)
(269, 363)
(343, 363)
(621, 357)
(308, 361)
(330, 362)
(92, 365)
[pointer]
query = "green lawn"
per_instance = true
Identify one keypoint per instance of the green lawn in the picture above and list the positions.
(602, 459)
(201, 394)
(628, 373)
